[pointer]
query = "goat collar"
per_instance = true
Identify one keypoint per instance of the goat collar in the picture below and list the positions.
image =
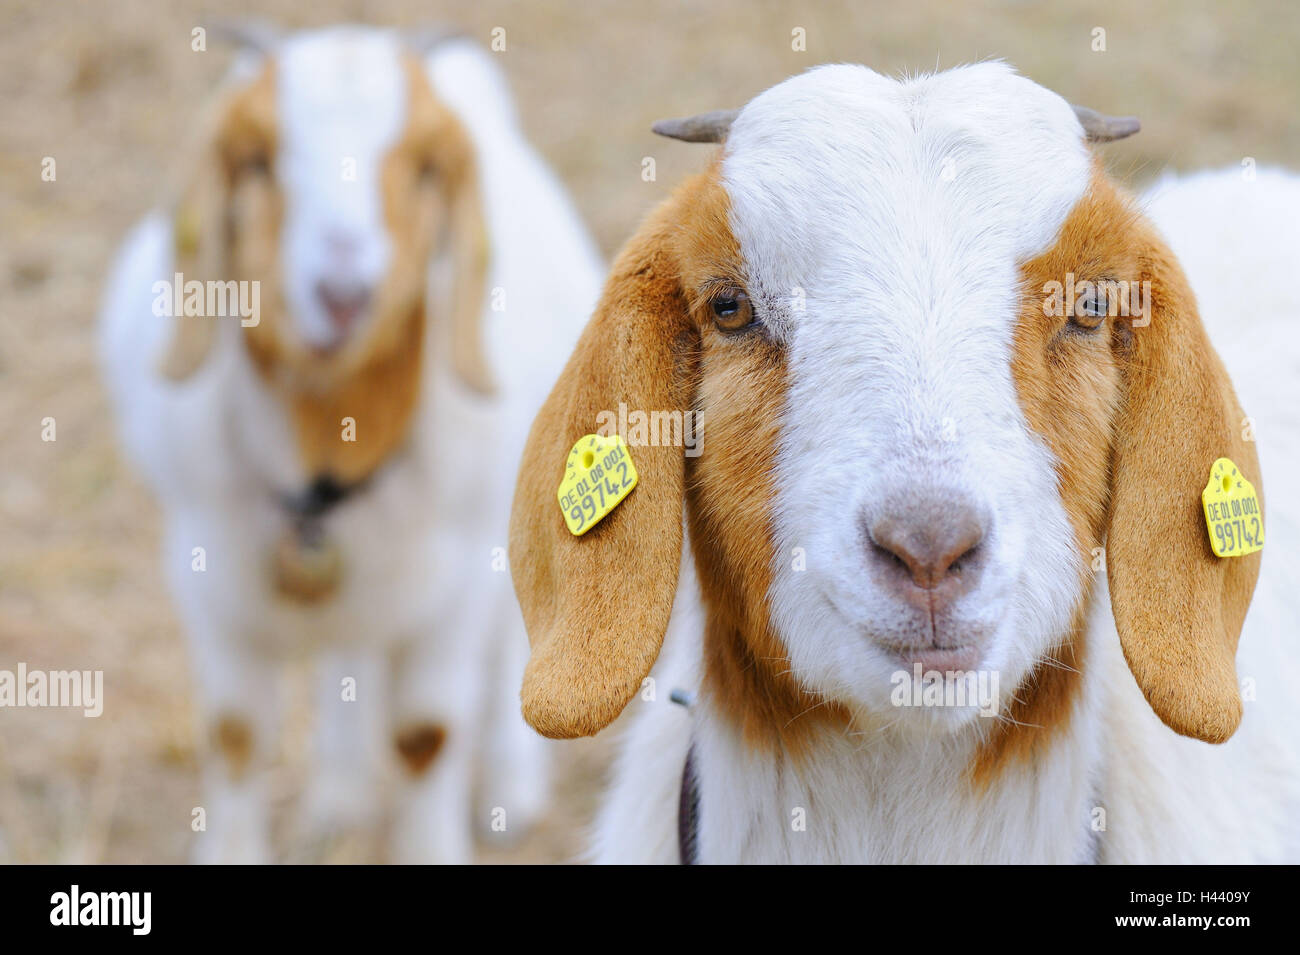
(324, 493)
(688, 813)
(307, 561)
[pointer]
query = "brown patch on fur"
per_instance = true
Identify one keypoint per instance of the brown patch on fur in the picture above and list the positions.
(1135, 417)
(380, 397)
(232, 737)
(435, 157)
(437, 137)
(1070, 381)
(741, 392)
(227, 220)
(419, 745)
(597, 606)
(1039, 712)
(1070, 389)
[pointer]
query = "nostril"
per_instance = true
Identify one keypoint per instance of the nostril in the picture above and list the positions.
(963, 561)
(891, 553)
(930, 543)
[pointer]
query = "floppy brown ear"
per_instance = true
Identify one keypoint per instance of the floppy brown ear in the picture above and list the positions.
(199, 231)
(597, 606)
(1178, 608)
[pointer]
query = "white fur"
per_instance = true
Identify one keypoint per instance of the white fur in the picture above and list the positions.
(912, 217)
(425, 621)
(341, 106)
(900, 383)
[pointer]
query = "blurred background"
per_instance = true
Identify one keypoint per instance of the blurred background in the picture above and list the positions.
(112, 92)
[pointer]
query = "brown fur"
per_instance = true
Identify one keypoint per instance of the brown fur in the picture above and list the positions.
(747, 673)
(232, 737)
(380, 397)
(227, 194)
(597, 607)
(419, 745)
(1040, 710)
(1135, 417)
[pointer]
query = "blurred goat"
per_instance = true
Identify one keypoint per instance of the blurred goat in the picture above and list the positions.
(315, 368)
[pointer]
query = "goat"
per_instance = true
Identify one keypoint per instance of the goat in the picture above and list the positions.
(335, 470)
(917, 467)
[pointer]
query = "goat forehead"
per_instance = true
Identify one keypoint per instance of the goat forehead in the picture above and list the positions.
(341, 95)
(886, 205)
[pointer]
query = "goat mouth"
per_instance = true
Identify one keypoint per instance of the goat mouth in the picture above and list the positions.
(929, 657)
(327, 350)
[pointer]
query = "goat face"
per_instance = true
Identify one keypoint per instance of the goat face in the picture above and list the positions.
(329, 174)
(884, 229)
(909, 455)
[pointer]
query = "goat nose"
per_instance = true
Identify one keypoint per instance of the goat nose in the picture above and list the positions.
(343, 301)
(341, 243)
(933, 540)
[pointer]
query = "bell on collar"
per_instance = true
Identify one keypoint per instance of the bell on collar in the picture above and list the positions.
(307, 564)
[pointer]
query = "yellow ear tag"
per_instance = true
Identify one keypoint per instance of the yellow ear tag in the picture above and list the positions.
(598, 475)
(1232, 513)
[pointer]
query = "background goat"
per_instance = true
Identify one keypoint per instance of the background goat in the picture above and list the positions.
(335, 476)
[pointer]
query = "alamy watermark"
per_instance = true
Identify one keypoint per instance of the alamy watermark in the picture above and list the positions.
(653, 429)
(214, 299)
(961, 689)
(1116, 298)
(83, 689)
(131, 910)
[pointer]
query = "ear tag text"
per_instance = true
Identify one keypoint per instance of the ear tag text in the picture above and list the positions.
(1232, 514)
(597, 476)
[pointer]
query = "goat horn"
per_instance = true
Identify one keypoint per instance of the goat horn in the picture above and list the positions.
(1103, 129)
(704, 128)
(256, 35)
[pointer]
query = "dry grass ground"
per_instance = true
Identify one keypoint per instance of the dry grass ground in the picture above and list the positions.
(110, 90)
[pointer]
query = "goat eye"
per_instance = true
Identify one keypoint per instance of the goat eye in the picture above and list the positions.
(732, 310)
(254, 164)
(1090, 310)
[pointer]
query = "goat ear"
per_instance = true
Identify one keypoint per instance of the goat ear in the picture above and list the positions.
(471, 255)
(597, 606)
(1178, 608)
(200, 240)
